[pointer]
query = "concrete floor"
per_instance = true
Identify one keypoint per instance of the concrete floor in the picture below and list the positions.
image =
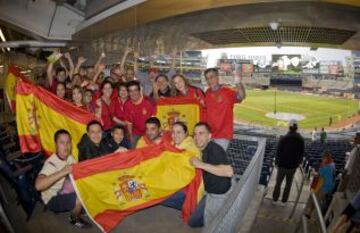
(158, 219)
(275, 219)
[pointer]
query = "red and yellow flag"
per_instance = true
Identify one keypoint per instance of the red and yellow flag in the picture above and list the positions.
(40, 113)
(117, 185)
(10, 85)
(185, 109)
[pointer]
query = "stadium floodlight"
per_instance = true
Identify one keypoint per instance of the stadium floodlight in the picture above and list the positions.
(274, 26)
(3, 38)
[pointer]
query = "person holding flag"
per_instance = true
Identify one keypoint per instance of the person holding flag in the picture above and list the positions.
(54, 184)
(153, 133)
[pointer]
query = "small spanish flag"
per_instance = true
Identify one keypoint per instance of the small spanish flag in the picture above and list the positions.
(185, 109)
(40, 113)
(117, 185)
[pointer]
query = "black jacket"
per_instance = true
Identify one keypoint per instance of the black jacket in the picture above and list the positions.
(112, 146)
(88, 149)
(290, 151)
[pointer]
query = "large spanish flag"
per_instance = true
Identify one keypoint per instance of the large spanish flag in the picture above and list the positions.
(185, 109)
(117, 185)
(40, 113)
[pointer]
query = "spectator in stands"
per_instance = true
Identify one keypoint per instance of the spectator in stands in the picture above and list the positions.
(289, 155)
(161, 87)
(137, 110)
(61, 90)
(324, 182)
(77, 97)
(54, 184)
(118, 140)
(350, 214)
(323, 136)
(217, 173)
(153, 133)
(61, 74)
(182, 88)
(314, 135)
(76, 80)
(118, 103)
(92, 144)
(350, 163)
(219, 101)
(103, 105)
(88, 95)
(181, 139)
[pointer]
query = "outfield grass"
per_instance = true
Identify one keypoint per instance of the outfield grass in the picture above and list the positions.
(316, 109)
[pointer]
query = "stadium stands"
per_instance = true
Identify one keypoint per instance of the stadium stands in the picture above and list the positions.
(18, 170)
(240, 153)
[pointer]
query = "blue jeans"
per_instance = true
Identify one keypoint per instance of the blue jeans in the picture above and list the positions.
(176, 201)
(197, 217)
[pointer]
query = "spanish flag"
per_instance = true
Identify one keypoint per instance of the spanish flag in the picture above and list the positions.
(40, 113)
(185, 109)
(117, 185)
(10, 85)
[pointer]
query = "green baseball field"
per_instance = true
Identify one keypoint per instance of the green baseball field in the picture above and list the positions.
(311, 111)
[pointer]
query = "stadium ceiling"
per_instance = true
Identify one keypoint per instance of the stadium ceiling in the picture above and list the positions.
(207, 24)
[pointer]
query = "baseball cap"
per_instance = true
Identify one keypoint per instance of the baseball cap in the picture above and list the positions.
(292, 123)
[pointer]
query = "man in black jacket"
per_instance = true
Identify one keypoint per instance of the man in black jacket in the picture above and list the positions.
(92, 144)
(289, 155)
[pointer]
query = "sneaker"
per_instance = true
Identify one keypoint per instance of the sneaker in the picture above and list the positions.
(283, 204)
(274, 202)
(79, 222)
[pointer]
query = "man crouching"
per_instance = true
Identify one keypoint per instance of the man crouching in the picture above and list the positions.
(54, 184)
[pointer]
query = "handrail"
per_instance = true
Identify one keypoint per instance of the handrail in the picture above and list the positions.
(304, 218)
(318, 211)
(214, 226)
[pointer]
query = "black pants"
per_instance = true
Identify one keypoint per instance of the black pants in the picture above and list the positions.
(281, 174)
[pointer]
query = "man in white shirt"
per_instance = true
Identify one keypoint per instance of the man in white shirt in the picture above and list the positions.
(314, 135)
(54, 184)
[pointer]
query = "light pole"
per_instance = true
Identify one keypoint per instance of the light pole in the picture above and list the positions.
(275, 102)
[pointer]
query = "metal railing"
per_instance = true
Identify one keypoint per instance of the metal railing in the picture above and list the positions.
(229, 216)
(299, 192)
(304, 223)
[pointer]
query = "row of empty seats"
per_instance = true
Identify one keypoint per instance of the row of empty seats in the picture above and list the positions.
(240, 153)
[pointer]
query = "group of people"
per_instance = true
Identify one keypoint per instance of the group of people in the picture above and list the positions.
(128, 97)
(125, 103)
(315, 136)
(59, 195)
